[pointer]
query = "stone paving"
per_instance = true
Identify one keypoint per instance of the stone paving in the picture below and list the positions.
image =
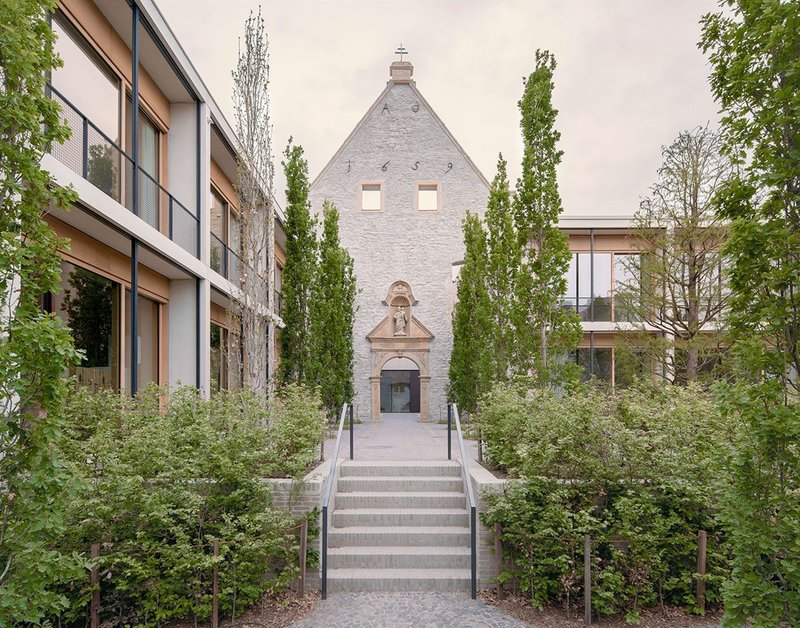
(400, 437)
(448, 610)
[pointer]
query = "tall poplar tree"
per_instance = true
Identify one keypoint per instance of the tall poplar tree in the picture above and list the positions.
(754, 50)
(471, 356)
(299, 269)
(544, 330)
(332, 313)
(502, 268)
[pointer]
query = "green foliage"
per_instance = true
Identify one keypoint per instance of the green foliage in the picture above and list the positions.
(752, 47)
(332, 314)
(678, 229)
(640, 465)
(35, 348)
(471, 358)
(543, 328)
(299, 270)
(161, 479)
(505, 257)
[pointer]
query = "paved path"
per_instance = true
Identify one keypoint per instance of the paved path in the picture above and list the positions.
(400, 437)
(448, 610)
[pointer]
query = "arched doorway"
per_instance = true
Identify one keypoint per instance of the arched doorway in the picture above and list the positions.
(400, 386)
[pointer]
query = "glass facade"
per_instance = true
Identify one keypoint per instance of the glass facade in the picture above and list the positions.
(86, 81)
(147, 338)
(89, 304)
(219, 366)
(591, 283)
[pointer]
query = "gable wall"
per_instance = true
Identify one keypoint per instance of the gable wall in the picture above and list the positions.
(401, 243)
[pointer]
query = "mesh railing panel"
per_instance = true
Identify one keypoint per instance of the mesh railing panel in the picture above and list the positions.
(183, 227)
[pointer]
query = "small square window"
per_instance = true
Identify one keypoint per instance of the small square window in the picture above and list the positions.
(428, 197)
(371, 197)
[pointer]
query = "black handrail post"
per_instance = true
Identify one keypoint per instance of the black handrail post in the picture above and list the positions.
(85, 147)
(351, 431)
(170, 217)
(473, 525)
(449, 431)
(325, 550)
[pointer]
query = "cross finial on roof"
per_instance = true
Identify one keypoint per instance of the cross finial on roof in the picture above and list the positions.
(401, 51)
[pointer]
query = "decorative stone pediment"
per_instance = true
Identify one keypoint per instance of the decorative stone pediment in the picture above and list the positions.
(385, 330)
(400, 294)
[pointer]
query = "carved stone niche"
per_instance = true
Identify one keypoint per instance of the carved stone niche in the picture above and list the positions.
(400, 300)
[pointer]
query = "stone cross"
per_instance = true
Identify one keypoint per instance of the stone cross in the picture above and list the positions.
(401, 51)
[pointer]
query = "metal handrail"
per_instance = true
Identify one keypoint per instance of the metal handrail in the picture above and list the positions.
(327, 498)
(473, 509)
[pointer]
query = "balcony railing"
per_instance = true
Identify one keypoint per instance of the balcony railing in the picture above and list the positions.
(224, 260)
(97, 158)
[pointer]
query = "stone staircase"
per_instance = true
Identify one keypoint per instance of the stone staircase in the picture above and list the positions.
(399, 526)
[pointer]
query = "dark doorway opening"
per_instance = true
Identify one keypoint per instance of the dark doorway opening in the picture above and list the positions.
(399, 386)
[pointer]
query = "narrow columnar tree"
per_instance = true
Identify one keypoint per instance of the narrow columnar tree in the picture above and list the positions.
(299, 269)
(254, 302)
(753, 49)
(471, 357)
(35, 347)
(676, 286)
(504, 255)
(544, 330)
(332, 313)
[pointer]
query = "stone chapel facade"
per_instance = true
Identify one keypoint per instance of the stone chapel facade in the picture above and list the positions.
(403, 186)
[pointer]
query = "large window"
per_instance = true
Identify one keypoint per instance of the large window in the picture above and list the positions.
(149, 139)
(147, 339)
(589, 286)
(219, 358)
(596, 363)
(85, 80)
(89, 304)
(627, 268)
(225, 237)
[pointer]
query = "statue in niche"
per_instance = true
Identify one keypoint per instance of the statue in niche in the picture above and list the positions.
(400, 320)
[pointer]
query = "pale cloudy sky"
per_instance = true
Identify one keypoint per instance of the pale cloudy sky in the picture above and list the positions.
(629, 76)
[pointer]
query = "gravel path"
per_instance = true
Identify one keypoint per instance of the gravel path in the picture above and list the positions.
(449, 610)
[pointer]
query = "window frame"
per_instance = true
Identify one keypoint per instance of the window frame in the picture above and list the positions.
(361, 186)
(438, 187)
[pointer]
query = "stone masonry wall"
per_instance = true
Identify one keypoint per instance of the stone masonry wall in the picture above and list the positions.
(400, 144)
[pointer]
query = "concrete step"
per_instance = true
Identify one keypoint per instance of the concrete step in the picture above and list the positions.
(378, 468)
(401, 484)
(449, 580)
(398, 557)
(364, 536)
(400, 517)
(389, 499)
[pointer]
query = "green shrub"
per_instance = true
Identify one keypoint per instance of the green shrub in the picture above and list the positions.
(641, 465)
(163, 476)
(295, 432)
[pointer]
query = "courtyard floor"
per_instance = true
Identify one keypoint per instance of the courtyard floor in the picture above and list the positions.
(353, 610)
(400, 437)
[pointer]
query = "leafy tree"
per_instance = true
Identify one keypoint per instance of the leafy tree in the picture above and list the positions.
(332, 313)
(299, 270)
(35, 347)
(504, 258)
(471, 357)
(676, 286)
(543, 328)
(753, 49)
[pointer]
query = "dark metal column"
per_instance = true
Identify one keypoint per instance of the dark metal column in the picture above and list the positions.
(591, 275)
(134, 322)
(198, 292)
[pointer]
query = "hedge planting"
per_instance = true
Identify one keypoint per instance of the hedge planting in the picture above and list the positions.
(641, 466)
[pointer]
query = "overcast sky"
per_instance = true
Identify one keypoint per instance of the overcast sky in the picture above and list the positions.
(629, 76)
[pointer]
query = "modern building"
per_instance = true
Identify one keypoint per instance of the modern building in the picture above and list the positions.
(152, 259)
(403, 186)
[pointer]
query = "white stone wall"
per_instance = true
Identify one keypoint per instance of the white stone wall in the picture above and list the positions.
(401, 243)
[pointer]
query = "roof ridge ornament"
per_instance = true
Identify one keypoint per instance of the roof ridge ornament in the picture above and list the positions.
(401, 51)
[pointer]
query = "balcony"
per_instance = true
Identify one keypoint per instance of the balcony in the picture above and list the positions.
(93, 155)
(224, 261)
